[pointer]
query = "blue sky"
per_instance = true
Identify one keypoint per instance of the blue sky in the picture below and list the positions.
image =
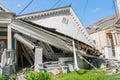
(88, 11)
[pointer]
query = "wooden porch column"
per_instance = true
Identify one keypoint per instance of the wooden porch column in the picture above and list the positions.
(117, 39)
(75, 57)
(113, 44)
(38, 58)
(9, 47)
(114, 39)
(9, 38)
(118, 4)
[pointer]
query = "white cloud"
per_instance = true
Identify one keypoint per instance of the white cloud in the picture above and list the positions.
(96, 10)
(19, 5)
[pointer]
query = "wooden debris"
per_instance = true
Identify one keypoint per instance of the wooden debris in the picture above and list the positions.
(55, 71)
(70, 66)
(21, 77)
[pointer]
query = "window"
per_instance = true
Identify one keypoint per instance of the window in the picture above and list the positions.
(2, 33)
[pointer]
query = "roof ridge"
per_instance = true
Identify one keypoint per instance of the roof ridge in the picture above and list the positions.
(44, 10)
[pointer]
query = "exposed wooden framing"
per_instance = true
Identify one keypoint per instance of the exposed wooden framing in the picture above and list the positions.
(86, 48)
(118, 37)
(114, 39)
(24, 53)
(24, 40)
(65, 41)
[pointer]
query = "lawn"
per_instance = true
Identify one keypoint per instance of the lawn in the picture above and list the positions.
(82, 74)
(87, 75)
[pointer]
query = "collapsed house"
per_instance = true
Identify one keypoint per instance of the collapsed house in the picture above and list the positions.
(54, 35)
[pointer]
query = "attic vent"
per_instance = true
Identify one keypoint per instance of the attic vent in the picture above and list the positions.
(65, 20)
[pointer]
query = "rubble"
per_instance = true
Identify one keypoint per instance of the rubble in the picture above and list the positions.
(21, 77)
(111, 65)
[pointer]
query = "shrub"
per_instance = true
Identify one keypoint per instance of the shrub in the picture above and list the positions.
(13, 76)
(38, 76)
(4, 77)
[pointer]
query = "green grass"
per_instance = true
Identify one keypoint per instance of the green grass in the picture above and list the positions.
(37, 76)
(4, 77)
(87, 75)
(82, 74)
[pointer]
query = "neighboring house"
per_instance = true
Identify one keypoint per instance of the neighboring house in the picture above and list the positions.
(50, 35)
(5, 19)
(106, 35)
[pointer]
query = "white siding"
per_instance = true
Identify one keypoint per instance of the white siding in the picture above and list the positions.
(117, 51)
(55, 21)
(108, 52)
(100, 39)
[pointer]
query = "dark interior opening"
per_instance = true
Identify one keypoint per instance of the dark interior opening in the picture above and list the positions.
(24, 58)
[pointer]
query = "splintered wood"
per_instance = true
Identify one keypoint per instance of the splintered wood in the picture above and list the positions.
(55, 71)
(84, 47)
(25, 55)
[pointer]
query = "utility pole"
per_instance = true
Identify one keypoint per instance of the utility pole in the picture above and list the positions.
(118, 4)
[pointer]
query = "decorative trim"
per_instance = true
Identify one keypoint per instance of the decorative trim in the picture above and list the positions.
(76, 20)
(54, 11)
(44, 13)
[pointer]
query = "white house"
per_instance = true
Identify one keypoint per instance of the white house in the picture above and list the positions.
(106, 35)
(50, 35)
(5, 18)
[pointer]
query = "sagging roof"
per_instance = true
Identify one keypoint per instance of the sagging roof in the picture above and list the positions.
(103, 24)
(64, 41)
(67, 9)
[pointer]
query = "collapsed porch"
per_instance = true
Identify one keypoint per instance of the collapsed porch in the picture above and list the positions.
(28, 36)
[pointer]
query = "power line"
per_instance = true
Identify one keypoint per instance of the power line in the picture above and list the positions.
(114, 6)
(26, 7)
(35, 7)
(84, 10)
(60, 3)
(55, 4)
